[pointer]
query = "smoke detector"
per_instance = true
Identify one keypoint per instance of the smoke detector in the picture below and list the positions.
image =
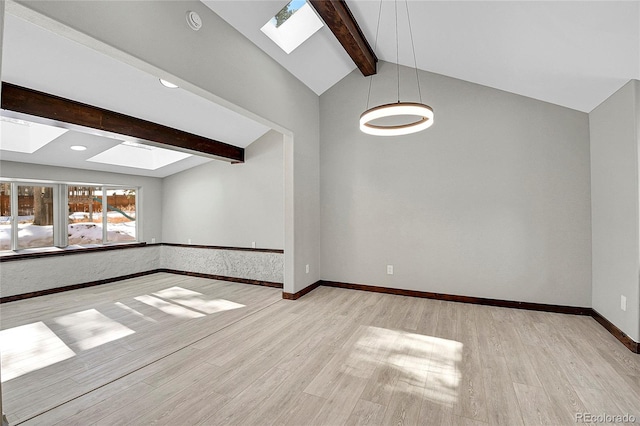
(194, 21)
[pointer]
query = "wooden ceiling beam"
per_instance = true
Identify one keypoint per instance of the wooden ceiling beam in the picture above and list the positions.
(338, 17)
(28, 101)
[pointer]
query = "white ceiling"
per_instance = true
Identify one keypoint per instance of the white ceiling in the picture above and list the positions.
(39, 59)
(58, 153)
(320, 62)
(570, 53)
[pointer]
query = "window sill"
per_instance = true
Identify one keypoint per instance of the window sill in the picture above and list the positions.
(9, 256)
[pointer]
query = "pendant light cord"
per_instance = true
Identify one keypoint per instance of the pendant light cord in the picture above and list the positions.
(397, 50)
(415, 63)
(423, 113)
(375, 46)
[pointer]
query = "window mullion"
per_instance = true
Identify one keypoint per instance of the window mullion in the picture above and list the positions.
(14, 216)
(60, 216)
(105, 210)
(138, 214)
(56, 215)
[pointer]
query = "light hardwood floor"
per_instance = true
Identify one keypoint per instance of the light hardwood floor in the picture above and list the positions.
(169, 349)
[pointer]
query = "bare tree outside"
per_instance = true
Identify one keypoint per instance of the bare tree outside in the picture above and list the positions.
(42, 206)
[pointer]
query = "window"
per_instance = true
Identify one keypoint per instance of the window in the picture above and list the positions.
(26, 137)
(121, 218)
(5, 216)
(35, 215)
(85, 215)
(140, 156)
(292, 25)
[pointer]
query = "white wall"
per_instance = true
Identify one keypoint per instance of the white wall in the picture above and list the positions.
(615, 198)
(492, 201)
(637, 301)
(149, 198)
(224, 204)
(217, 60)
(1, 34)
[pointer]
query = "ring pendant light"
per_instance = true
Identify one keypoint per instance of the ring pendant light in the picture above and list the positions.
(422, 114)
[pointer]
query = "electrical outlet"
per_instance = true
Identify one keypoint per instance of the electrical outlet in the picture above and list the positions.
(253, 244)
(389, 269)
(307, 268)
(189, 241)
(153, 241)
(623, 303)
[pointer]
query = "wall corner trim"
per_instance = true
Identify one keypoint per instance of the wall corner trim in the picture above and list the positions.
(627, 341)
(299, 294)
(221, 278)
(631, 344)
(201, 246)
(45, 292)
(562, 309)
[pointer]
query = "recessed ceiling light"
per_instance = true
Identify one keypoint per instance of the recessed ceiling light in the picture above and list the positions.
(78, 147)
(168, 84)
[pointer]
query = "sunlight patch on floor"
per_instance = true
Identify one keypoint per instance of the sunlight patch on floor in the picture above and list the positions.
(169, 308)
(29, 348)
(423, 361)
(195, 300)
(134, 312)
(442, 388)
(88, 329)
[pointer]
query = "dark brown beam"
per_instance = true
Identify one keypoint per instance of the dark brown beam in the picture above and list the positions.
(28, 101)
(338, 17)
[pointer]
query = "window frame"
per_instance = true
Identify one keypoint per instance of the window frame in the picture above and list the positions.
(61, 213)
(105, 203)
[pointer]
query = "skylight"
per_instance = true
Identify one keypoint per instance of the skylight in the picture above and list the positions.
(140, 156)
(24, 136)
(293, 25)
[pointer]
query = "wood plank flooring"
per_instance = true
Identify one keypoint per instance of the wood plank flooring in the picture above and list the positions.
(169, 349)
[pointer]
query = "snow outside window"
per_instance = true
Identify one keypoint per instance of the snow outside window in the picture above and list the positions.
(35, 215)
(5, 216)
(121, 218)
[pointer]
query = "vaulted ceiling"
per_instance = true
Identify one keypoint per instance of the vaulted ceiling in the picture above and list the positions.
(570, 53)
